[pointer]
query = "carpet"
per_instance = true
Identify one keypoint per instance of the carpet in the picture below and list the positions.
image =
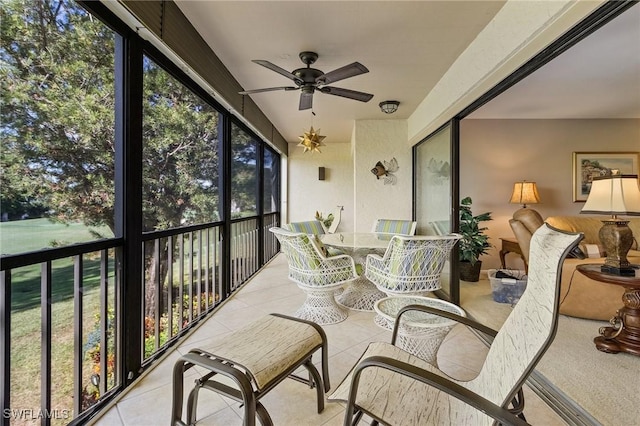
(606, 386)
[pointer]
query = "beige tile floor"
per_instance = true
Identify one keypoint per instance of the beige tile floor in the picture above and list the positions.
(148, 402)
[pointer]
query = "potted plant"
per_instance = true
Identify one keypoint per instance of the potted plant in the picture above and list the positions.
(473, 243)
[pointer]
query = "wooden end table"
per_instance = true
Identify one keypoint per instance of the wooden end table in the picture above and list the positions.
(624, 336)
(510, 245)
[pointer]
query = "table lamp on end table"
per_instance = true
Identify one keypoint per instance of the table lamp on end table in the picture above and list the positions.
(615, 195)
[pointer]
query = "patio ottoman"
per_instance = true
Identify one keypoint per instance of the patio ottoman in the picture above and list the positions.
(256, 358)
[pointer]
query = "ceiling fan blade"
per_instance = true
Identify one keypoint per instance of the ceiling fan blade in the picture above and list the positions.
(268, 89)
(347, 71)
(306, 101)
(274, 67)
(346, 93)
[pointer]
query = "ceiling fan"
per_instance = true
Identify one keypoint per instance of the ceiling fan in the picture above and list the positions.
(308, 80)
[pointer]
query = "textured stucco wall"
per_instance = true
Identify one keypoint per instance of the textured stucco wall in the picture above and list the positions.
(306, 194)
(380, 140)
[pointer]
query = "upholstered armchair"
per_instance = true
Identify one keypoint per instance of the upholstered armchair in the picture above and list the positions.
(524, 223)
(411, 264)
(317, 274)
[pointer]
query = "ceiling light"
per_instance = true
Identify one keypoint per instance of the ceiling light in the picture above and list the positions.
(389, 107)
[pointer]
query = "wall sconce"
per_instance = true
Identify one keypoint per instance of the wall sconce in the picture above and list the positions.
(389, 107)
(321, 173)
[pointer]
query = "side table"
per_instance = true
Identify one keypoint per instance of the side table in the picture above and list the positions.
(624, 336)
(419, 333)
(510, 245)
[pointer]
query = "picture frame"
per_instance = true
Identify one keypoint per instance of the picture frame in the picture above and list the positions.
(587, 165)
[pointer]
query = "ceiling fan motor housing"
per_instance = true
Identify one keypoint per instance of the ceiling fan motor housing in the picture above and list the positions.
(308, 57)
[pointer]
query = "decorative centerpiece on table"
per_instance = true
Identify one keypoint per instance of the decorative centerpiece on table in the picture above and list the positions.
(474, 243)
(325, 221)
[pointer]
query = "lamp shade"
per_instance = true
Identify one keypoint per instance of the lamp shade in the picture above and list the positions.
(614, 195)
(525, 193)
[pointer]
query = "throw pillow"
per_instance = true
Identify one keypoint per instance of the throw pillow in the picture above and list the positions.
(321, 246)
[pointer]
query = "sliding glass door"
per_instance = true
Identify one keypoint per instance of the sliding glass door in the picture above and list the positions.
(436, 194)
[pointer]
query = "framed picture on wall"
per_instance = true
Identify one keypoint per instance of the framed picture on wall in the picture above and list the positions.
(587, 165)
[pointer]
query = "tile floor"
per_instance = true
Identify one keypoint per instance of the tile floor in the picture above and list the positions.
(148, 402)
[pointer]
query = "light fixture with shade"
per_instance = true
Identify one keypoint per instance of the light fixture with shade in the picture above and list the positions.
(615, 195)
(389, 107)
(525, 193)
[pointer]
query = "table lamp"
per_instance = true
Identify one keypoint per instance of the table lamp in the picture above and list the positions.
(615, 195)
(525, 193)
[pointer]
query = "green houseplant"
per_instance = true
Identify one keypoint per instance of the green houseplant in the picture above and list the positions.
(473, 243)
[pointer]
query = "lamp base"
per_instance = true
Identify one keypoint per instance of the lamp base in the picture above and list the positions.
(617, 238)
(623, 272)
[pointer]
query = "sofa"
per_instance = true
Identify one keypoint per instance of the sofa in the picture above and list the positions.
(580, 296)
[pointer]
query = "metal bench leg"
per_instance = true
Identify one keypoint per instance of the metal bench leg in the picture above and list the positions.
(313, 372)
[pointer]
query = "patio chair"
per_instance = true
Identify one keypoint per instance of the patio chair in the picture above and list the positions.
(395, 387)
(410, 265)
(317, 274)
(392, 226)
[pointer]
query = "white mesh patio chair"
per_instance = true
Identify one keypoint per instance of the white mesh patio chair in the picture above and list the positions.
(317, 274)
(410, 265)
(394, 226)
(395, 387)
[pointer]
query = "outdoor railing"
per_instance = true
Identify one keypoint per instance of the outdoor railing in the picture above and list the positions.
(59, 307)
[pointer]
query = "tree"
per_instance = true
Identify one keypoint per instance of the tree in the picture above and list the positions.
(58, 128)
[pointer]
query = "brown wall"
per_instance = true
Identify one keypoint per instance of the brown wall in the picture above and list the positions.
(497, 153)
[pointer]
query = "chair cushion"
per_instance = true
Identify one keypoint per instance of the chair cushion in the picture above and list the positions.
(390, 226)
(308, 227)
(268, 347)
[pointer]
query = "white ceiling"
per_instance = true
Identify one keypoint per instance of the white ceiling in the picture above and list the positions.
(597, 78)
(407, 47)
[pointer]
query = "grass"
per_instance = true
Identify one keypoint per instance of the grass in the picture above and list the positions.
(26, 335)
(22, 236)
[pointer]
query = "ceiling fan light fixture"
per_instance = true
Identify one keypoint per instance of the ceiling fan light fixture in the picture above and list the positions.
(389, 107)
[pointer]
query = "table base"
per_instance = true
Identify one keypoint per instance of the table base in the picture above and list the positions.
(420, 339)
(624, 336)
(421, 342)
(360, 295)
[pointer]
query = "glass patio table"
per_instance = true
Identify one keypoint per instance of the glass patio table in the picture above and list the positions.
(361, 293)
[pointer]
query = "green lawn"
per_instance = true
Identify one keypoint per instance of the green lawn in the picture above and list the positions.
(27, 235)
(30, 235)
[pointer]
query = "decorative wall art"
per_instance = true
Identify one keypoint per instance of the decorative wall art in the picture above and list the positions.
(587, 165)
(386, 170)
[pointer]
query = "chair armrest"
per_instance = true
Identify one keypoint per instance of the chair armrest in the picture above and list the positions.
(375, 260)
(465, 395)
(450, 315)
(340, 260)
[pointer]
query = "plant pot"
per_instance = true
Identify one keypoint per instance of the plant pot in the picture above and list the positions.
(470, 271)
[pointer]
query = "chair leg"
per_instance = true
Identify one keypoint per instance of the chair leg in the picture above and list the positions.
(517, 404)
(263, 415)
